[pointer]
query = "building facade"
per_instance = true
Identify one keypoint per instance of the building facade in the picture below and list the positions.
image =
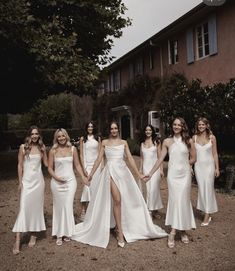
(200, 45)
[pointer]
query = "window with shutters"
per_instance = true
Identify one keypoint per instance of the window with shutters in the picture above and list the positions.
(173, 51)
(202, 40)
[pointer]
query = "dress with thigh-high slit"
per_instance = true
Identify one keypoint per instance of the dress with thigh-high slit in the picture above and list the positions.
(135, 219)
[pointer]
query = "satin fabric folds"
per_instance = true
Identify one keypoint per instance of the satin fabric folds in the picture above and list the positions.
(136, 221)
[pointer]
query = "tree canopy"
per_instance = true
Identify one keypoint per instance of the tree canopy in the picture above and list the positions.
(49, 46)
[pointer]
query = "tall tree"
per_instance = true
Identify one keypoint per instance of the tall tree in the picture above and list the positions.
(50, 46)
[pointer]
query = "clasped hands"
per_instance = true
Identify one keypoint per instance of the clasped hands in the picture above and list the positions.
(145, 178)
(87, 179)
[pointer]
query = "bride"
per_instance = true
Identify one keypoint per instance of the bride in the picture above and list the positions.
(117, 200)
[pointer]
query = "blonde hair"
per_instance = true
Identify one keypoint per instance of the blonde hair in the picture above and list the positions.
(208, 127)
(28, 141)
(55, 141)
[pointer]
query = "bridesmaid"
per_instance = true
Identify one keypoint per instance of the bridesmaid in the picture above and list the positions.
(117, 200)
(31, 186)
(206, 168)
(149, 152)
(90, 145)
(182, 155)
(62, 157)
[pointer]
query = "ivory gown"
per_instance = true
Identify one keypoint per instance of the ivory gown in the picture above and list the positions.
(63, 196)
(153, 197)
(205, 174)
(136, 221)
(31, 216)
(179, 213)
(90, 153)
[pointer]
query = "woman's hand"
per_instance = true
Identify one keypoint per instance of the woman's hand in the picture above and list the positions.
(20, 186)
(85, 173)
(217, 173)
(146, 178)
(162, 173)
(86, 181)
(60, 180)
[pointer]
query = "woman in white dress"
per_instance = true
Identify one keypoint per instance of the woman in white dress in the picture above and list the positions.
(90, 145)
(31, 186)
(116, 194)
(206, 168)
(149, 152)
(62, 158)
(182, 155)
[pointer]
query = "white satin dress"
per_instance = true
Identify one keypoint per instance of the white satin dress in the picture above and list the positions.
(63, 196)
(136, 221)
(205, 174)
(90, 154)
(179, 213)
(31, 217)
(153, 197)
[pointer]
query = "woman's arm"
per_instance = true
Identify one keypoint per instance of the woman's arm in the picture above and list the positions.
(44, 156)
(20, 165)
(215, 155)
(97, 162)
(81, 147)
(159, 148)
(192, 153)
(51, 167)
(159, 160)
(78, 166)
(132, 161)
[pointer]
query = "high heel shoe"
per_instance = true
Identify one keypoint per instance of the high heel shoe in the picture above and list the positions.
(184, 238)
(59, 241)
(121, 243)
(32, 241)
(15, 250)
(171, 240)
(203, 224)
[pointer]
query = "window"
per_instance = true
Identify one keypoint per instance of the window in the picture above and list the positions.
(202, 35)
(139, 67)
(173, 51)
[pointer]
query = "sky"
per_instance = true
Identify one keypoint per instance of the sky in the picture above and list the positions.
(148, 18)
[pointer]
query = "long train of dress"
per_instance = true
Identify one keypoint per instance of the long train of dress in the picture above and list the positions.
(136, 221)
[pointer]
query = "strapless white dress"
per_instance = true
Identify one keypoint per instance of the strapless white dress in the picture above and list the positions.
(136, 221)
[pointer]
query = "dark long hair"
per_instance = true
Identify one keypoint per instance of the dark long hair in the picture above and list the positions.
(155, 139)
(208, 127)
(185, 132)
(96, 136)
(28, 141)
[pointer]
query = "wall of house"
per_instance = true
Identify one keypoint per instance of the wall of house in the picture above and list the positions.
(212, 69)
